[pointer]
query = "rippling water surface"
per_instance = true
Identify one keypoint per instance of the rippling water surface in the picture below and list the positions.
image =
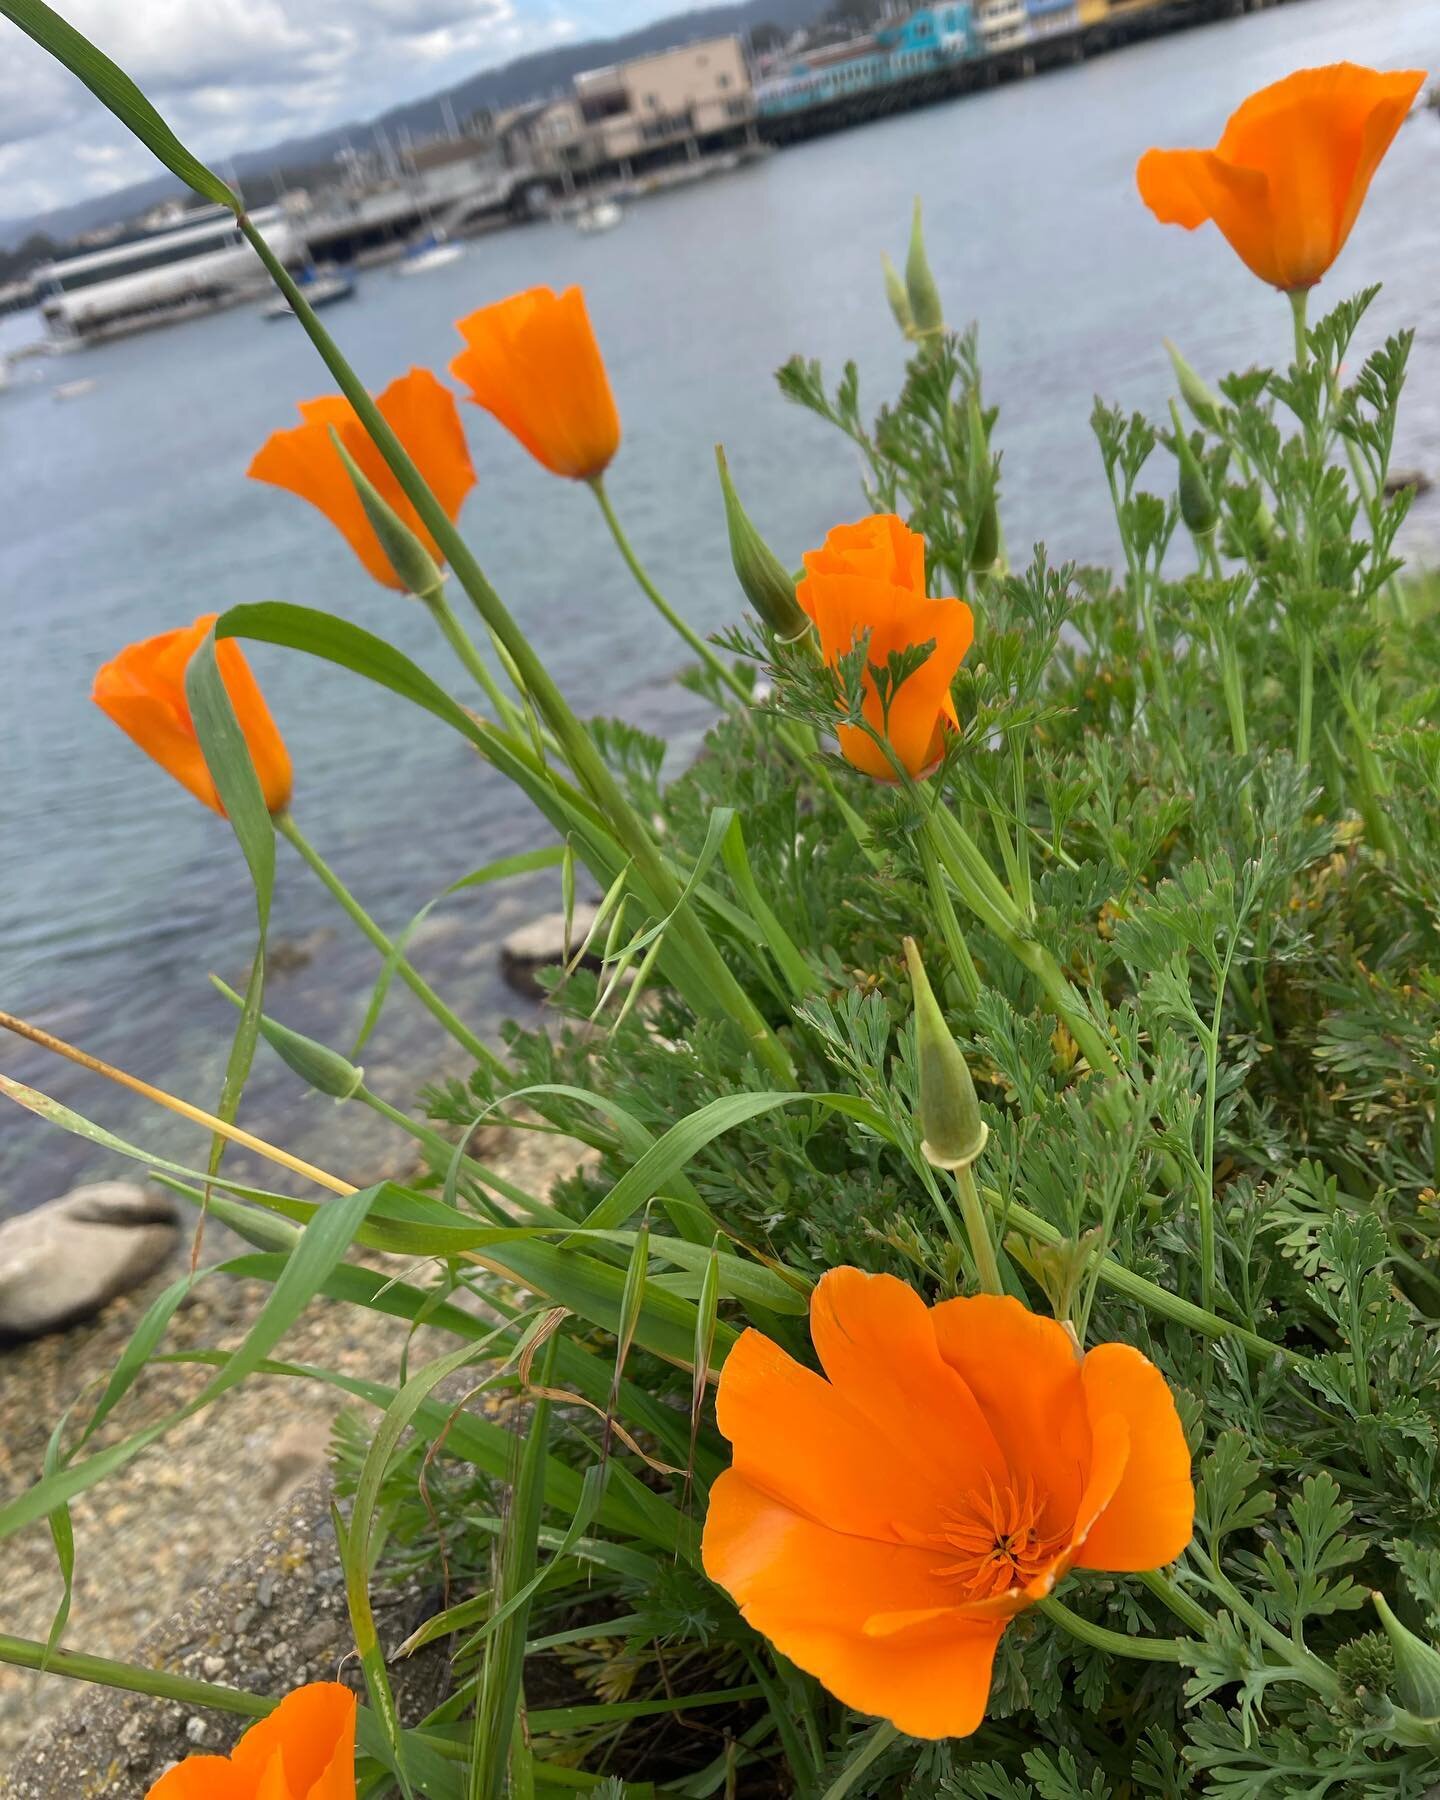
(125, 511)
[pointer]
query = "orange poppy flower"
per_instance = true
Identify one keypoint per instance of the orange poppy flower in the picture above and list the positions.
(882, 1523)
(533, 362)
(143, 691)
(304, 1750)
(871, 577)
(1286, 182)
(425, 418)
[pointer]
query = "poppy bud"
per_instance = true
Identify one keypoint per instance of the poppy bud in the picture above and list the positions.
(1203, 401)
(985, 538)
(763, 578)
(1417, 1665)
(411, 561)
(899, 299)
(953, 1133)
(925, 308)
(320, 1067)
(1197, 502)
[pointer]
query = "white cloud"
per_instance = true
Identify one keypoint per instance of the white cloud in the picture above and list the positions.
(233, 75)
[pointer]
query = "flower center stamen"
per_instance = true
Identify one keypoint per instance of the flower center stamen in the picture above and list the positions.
(999, 1540)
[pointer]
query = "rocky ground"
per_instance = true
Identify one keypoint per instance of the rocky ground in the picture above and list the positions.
(151, 1540)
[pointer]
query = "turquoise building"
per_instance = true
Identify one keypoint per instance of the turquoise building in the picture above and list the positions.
(928, 38)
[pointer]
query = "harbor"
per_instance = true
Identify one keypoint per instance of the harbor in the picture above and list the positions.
(621, 135)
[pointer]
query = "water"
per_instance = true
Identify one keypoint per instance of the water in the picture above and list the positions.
(126, 511)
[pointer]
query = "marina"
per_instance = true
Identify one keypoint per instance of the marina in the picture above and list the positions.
(624, 133)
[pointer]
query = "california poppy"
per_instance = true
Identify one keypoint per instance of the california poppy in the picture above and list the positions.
(304, 1750)
(882, 1523)
(871, 577)
(143, 691)
(1286, 182)
(533, 362)
(425, 418)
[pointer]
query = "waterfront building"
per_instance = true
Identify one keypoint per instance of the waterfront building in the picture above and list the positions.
(1050, 17)
(673, 97)
(176, 261)
(929, 38)
(1001, 24)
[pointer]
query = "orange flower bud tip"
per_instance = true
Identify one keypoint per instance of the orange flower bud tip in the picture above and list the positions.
(142, 690)
(533, 363)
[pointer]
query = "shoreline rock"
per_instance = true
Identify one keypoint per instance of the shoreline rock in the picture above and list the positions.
(70, 1257)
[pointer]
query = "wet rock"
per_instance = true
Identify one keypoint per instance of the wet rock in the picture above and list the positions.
(65, 1260)
(541, 945)
(1414, 481)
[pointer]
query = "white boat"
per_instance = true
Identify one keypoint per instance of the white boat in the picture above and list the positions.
(604, 215)
(73, 390)
(179, 262)
(321, 287)
(434, 251)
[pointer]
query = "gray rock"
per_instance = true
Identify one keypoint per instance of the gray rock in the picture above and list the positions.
(66, 1259)
(541, 945)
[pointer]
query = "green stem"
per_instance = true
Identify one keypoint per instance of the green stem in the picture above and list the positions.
(464, 647)
(987, 897)
(1188, 1611)
(1117, 1643)
(878, 1742)
(1206, 1194)
(1024, 894)
(706, 652)
(351, 907)
(956, 948)
(1299, 306)
(1306, 715)
(977, 1229)
(1153, 1297)
(1305, 1666)
(713, 988)
(159, 1684)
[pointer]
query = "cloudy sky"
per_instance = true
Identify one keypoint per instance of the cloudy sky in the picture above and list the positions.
(238, 74)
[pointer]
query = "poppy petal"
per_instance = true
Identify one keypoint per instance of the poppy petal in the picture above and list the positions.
(812, 1591)
(802, 1442)
(312, 1733)
(202, 1778)
(1025, 1375)
(875, 1341)
(1151, 1516)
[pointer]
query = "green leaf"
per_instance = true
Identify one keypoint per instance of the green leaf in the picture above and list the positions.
(114, 88)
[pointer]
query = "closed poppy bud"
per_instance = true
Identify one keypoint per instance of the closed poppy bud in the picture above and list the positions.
(985, 538)
(925, 305)
(765, 581)
(418, 571)
(1286, 182)
(305, 461)
(868, 581)
(533, 362)
(1202, 400)
(317, 1065)
(1417, 1665)
(1197, 502)
(884, 1519)
(304, 1750)
(143, 691)
(898, 296)
(953, 1133)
